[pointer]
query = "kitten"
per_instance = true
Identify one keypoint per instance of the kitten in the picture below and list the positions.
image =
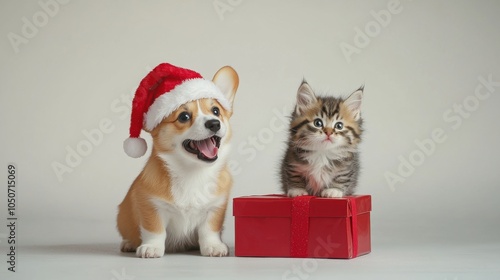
(322, 155)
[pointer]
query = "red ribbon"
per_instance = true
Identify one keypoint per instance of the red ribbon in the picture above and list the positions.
(299, 239)
(354, 225)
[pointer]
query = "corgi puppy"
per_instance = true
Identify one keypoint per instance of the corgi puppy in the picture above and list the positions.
(178, 201)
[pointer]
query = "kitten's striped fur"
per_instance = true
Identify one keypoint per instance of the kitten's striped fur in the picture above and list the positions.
(322, 154)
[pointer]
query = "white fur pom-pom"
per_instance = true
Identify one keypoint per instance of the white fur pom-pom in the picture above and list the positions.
(135, 147)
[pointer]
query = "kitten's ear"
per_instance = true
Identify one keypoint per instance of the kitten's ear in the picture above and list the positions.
(353, 103)
(305, 98)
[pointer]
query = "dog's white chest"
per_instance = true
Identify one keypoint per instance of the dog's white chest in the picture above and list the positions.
(193, 196)
(194, 193)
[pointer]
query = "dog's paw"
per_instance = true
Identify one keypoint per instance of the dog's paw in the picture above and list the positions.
(333, 192)
(150, 251)
(127, 246)
(293, 192)
(216, 249)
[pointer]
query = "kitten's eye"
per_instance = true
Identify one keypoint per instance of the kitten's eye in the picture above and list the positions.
(339, 126)
(318, 123)
(215, 111)
(184, 117)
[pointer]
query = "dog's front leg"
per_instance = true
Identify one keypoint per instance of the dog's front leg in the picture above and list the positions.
(209, 233)
(153, 233)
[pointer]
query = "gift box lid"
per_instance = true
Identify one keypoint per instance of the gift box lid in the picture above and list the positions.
(280, 206)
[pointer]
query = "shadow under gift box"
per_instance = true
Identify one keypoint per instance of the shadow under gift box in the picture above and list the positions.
(305, 226)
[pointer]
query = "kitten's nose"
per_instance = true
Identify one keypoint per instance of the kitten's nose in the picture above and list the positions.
(328, 131)
(213, 125)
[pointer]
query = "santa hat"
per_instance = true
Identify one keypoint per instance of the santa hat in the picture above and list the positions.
(160, 93)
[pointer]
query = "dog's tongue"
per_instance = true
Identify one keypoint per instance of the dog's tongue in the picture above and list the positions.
(207, 147)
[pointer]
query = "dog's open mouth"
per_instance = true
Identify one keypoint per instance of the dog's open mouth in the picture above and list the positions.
(205, 149)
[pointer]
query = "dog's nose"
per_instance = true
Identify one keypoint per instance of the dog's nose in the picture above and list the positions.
(213, 125)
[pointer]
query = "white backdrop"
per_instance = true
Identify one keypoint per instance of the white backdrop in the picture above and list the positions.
(431, 75)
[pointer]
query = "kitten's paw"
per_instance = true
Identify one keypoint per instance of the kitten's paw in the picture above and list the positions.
(127, 246)
(333, 192)
(293, 192)
(214, 249)
(150, 251)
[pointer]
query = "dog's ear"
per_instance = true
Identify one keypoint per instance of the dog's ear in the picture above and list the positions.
(227, 80)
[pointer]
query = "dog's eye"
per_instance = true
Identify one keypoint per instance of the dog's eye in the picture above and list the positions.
(216, 111)
(184, 117)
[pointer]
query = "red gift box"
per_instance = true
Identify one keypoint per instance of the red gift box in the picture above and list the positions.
(304, 226)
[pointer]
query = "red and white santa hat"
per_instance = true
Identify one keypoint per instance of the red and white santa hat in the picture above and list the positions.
(160, 93)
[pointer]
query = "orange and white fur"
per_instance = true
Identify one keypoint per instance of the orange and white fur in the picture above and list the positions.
(178, 201)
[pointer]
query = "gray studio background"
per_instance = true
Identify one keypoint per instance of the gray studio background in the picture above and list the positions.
(431, 116)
